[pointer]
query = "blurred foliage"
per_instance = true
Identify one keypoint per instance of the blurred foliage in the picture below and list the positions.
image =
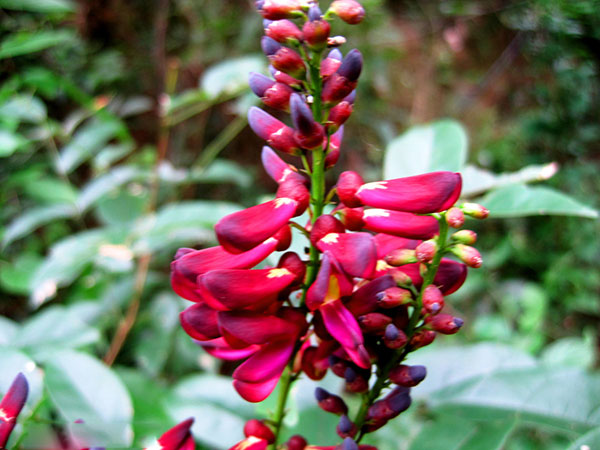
(122, 138)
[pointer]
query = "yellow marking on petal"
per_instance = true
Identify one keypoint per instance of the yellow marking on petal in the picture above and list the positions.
(5, 417)
(249, 441)
(376, 213)
(333, 290)
(373, 186)
(382, 265)
(278, 272)
(330, 238)
(283, 201)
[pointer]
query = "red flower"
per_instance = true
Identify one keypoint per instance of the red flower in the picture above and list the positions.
(177, 438)
(11, 405)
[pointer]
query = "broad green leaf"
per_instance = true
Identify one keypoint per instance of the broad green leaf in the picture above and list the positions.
(25, 42)
(54, 328)
(24, 108)
(589, 441)
(452, 433)
(220, 412)
(15, 277)
(230, 76)
(568, 399)
(570, 352)
(440, 145)
(122, 207)
(223, 171)
(10, 142)
(477, 181)
(99, 187)
(519, 200)
(51, 190)
(8, 330)
(34, 218)
(110, 154)
(87, 141)
(42, 6)
(91, 398)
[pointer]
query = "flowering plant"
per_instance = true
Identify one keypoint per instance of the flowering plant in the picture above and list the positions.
(370, 289)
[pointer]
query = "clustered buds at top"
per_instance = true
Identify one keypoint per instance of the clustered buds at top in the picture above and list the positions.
(309, 134)
(11, 405)
(279, 9)
(283, 31)
(350, 11)
(343, 81)
(475, 210)
(316, 30)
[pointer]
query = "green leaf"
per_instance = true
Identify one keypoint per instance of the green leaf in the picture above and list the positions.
(223, 171)
(122, 207)
(93, 401)
(570, 352)
(440, 145)
(42, 6)
(519, 200)
(34, 218)
(231, 76)
(452, 433)
(51, 190)
(24, 108)
(568, 399)
(87, 141)
(53, 329)
(25, 42)
(10, 142)
(8, 330)
(99, 187)
(220, 411)
(15, 277)
(589, 441)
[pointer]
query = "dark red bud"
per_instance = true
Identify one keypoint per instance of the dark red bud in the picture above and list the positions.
(467, 237)
(345, 427)
(309, 134)
(393, 297)
(296, 190)
(467, 254)
(352, 218)
(401, 278)
(401, 256)
(338, 115)
(11, 405)
(408, 376)
(257, 428)
(426, 250)
(310, 365)
(356, 382)
(433, 299)
(394, 337)
(455, 217)
(336, 87)
(324, 225)
(331, 63)
(374, 322)
(338, 366)
(288, 61)
(335, 140)
(475, 210)
(330, 402)
(422, 338)
(283, 31)
(292, 262)
(348, 184)
(350, 11)
(296, 442)
(445, 323)
(316, 33)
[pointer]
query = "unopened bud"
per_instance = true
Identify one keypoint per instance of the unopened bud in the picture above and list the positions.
(445, 323)
(433, 299)
(324, 225)
(316, 30)
(401, 256)
(408, 376)
(345, 427)
(401, 278)
(467, 237)
(350, 11)
(343, 81)
(292, 262)
(373, 322)
(455, 217)
(394, 296)
(394, 337)
(283, 58)
(276, 133)
(296, 442)
(338, 366)
(331, 63)
(422, 339)
(279, 9)
(347, 444)
(335, 140)
(348, 184)
(285, 78)
(284, 32)
(311, 366)
(257, 428)
(356, 381)
(309, 134)
(338, 115)
(426, 250)
(296, 190)
(475, 210)
(352, 218)
(330, 402)
(467, 254)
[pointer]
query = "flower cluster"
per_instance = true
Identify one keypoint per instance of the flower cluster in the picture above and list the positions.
(371, 287)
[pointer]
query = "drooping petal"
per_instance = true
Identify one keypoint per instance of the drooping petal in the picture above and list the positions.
(253, 328)
(255, 392)
(356, 252)
(244, 230)
(244, 289)
(330, 284)
(11, 405)
(219, 348)
(266, 363)
(277, 168)
(449, 277)
(174, 438)
(342, 325)
(200, 322)
(427, 193)
(386, 243)
(401, 224)
(364, 300)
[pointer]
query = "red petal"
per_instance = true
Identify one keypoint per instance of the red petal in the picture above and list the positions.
(277, 168)
(342, 325)
(329, 285)
(356, 252)
(251, 442)
(386, 243)
(244, 230)
(188, 444)
(364, 300)
(402, 224)
(266, 363)
(253, 328)
(427, 193)
(219, 348)
(244, 289)
(255, 392)
(449, 277)
(200, 322)
(11, 405)
(174, 438)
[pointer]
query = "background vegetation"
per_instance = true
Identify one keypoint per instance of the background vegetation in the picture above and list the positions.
(123, 137)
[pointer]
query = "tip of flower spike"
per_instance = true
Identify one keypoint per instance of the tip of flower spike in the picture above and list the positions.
(351, 65)
(259, 83)
(314, 13)
(335, 54)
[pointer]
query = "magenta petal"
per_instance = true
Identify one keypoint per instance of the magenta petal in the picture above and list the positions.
(219, 348)
(427, 193)
(253, 328)
(266, 363)
(262, 123)
(277, 168)
(255, 392)
(402, 224)
(11, 405)
(449, 277)
(249, 289)
(330, 284)
(200, 322)
(365, 299)
(188, 444)
(174, 438)
(356, 252)
(244, 230)
(386, 243)
(342, 325)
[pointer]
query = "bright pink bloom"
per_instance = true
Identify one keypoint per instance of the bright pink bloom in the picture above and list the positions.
(387, 243)
(356, 252)
(277, 168)
(219, 348)
(11, 405)
(200, 322)
(277, 134)
(178, 438)
(246, 328)
(397, 223)
(244, 230)
(366, 298)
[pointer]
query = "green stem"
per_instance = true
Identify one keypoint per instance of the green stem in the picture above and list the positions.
(285, 384)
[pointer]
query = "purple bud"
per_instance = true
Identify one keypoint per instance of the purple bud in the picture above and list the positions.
(350, 374)
(399, 403)
(269, 46)
(314, 13)
(351, 65)
(349, 444)
(351, 97)
(301, 115)
(266, 23)
(335, 54)
(259, 83)
(321, 394)
(345, 424)
(391, 332)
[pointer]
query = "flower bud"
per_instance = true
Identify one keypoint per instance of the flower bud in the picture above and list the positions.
(433, 299)
(276, 133)
(356, 381)
(316, 30)
(352, 218)
(279, 9)
(343, 81)
(393, 337)
(425, 251)
(348, 184)
(296, 190)
(475, 210)
(324, 225)
(338, 365)
(330, 402)
(338, 115)
(350, 11)
(445, 323)
(422, 339)
(257, 428)
(292, 262)
(284, 238)
(335, 140)
(345, 427)
(393, 297)
(467, 254)
(285, 78)
(296, 442)
(283, 58)
(373, 322)
(467, 237)
(402, 279)
(455, 217)
(309, 134)
(310, 365)
(11, 405)
(401, 256)
(408, 376)
(331, 63)
(273, 94)
(284, 32)
(347, 444)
